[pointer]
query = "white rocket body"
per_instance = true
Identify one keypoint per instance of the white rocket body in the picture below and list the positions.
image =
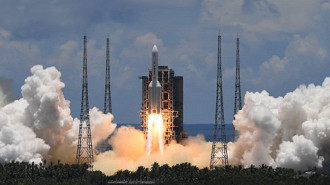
(155, 89)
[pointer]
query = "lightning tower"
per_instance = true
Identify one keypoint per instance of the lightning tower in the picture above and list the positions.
(107, 93)
(238, 100)
(84, 148)
(219, 156)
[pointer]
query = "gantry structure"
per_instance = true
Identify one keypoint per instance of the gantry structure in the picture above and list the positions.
(171, 104)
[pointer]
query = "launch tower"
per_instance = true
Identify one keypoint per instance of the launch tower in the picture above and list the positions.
(219, 156)
(171, 103)
(84, 148)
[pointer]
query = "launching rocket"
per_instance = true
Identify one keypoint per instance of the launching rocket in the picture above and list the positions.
(155, 121)
(155, 88)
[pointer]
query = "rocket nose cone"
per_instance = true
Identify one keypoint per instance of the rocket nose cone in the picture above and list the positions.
(154, 49)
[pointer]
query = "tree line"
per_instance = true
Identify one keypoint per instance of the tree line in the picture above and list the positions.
(17, 173)
(187, 174)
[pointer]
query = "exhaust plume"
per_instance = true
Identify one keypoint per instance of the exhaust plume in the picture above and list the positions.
(129, 152)
(39, 125)
(291, 131)
(155, 133)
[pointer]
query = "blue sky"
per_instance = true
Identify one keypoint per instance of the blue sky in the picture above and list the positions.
(283, 44)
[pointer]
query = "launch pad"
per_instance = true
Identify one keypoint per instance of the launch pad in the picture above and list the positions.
(171, 103)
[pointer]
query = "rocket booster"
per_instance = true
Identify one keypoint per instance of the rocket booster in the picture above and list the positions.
(155, 88)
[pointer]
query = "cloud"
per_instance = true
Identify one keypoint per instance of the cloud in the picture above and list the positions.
(140, 53)
(326, 5)
(186, 57)
(4, 34)
(41, 20)
(143, 44)
(211, 60)
(148, 40)
(264, 16)
(308, 46)
(70, 54)
(275, 64)
(165, 4)
(16, 51)
(301, 54)
(6, 92)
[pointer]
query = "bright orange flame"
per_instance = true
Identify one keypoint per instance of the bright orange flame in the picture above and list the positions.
(155, 133)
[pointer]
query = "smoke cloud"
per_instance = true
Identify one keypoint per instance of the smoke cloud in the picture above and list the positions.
(291, 131)
(129, 152)
(39, 125)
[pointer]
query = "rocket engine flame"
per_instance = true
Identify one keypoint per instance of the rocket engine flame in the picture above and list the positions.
(155, 134)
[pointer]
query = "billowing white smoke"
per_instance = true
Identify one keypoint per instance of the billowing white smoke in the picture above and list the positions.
(291, 131)
(39, 125)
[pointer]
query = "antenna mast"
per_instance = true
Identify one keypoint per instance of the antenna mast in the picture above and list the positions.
(219, 154)
(84, 148)
(238, 100)
(107, 93)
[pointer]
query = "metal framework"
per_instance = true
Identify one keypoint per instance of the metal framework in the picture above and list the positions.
(168, 112)
(107, 92)
(84, 148)
(219, 156)
(238, 99)
(165, 77)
